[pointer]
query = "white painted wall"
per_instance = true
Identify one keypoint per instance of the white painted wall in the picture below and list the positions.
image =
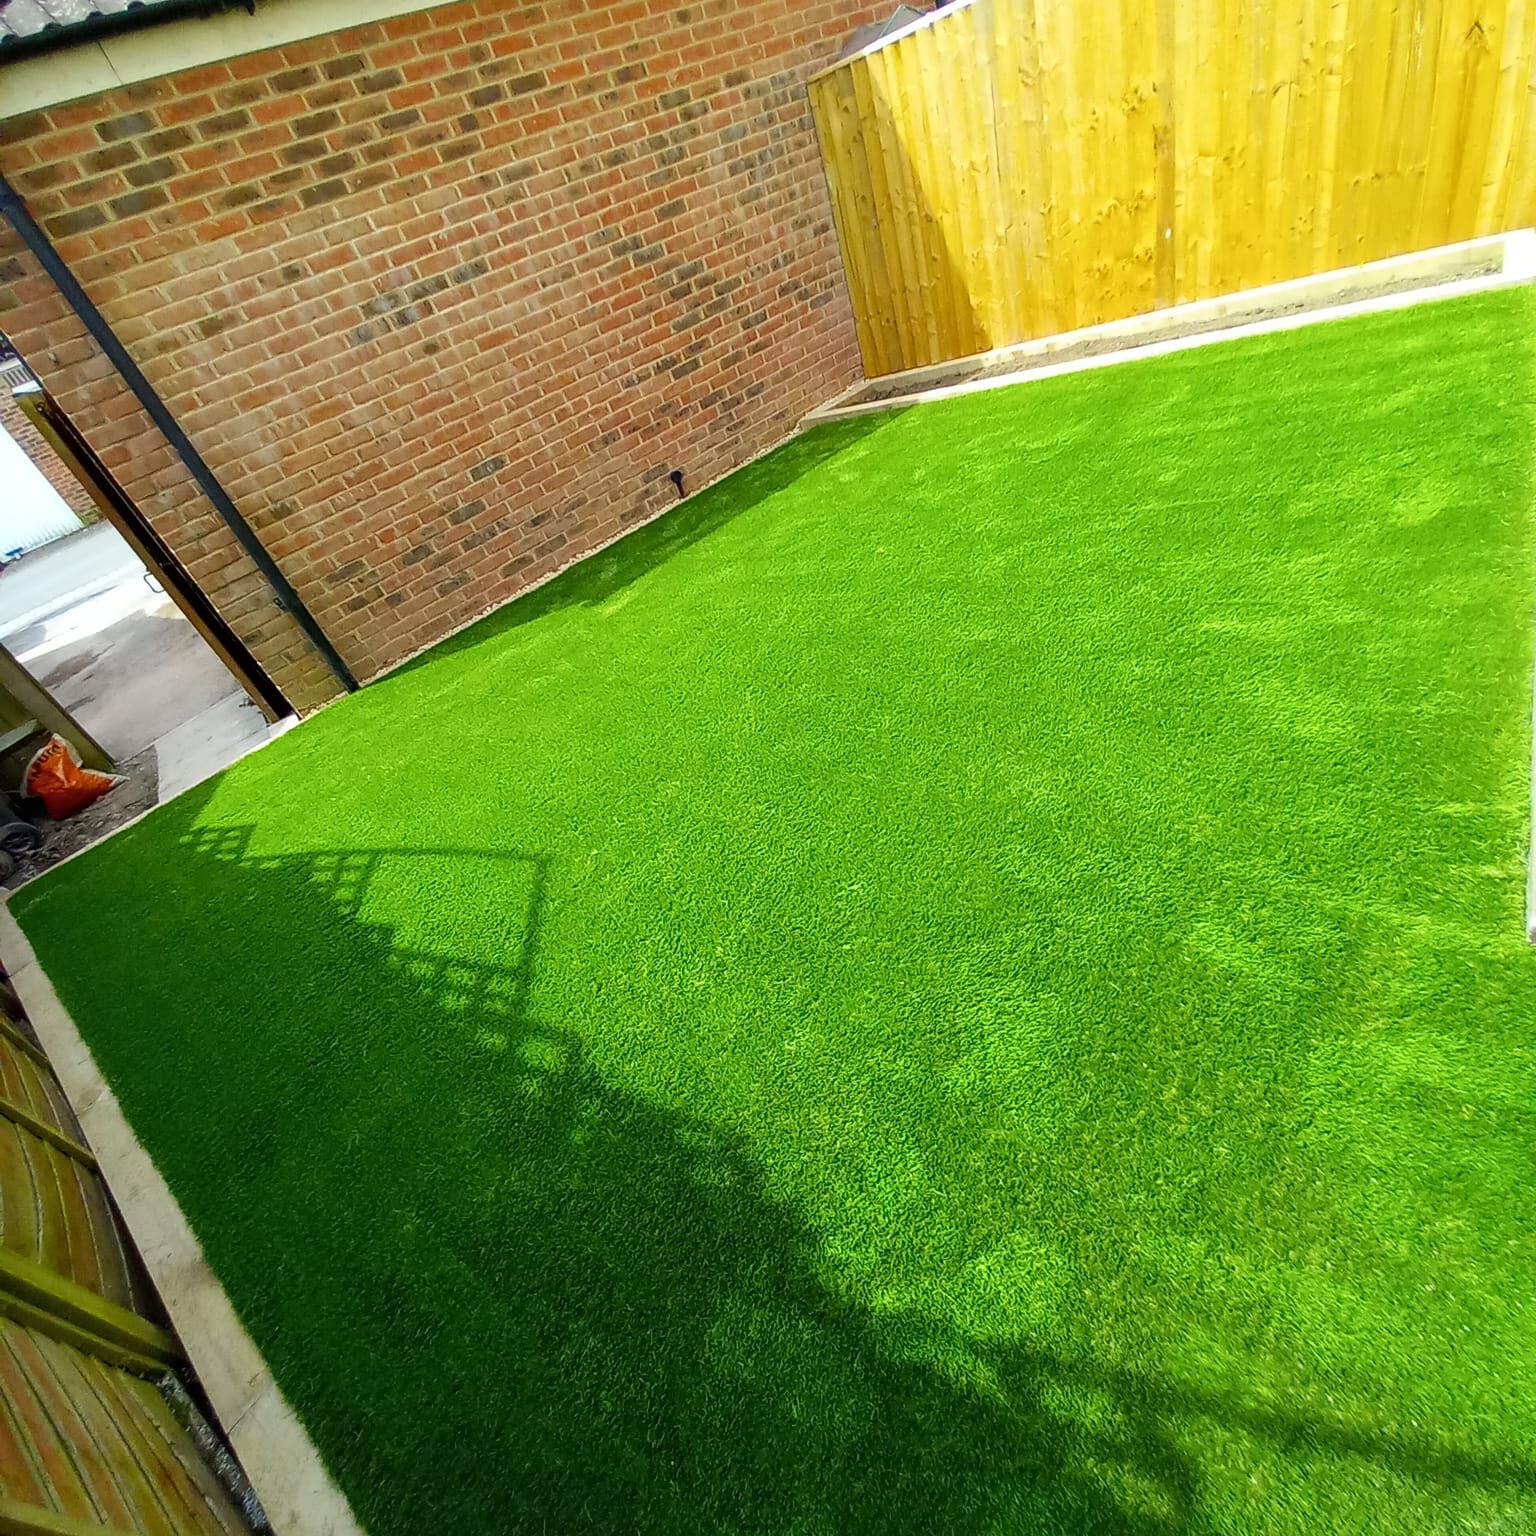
(31, 511)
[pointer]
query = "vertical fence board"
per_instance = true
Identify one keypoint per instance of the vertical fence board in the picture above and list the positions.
(1165, 279)
(1483, 45)
(1016, 168)
(898, 204)
(908, 104)
(1059, 64)
(1503, 134)
(845, 220)
(1137, 162)
(871, 145)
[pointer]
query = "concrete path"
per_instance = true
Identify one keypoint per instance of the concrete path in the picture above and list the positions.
(63, 574)
(117, 653)
(208, 743)
(127, 664)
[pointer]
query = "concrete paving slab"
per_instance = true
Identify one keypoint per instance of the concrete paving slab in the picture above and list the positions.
(127, 664)
(208, 743)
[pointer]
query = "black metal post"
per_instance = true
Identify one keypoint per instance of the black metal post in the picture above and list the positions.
(20, 219)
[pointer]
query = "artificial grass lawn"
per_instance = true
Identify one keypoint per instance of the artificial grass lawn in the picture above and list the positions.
(971, 979)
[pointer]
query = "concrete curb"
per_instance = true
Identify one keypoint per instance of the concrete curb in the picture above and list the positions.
(281, 1461)
(1253, 312)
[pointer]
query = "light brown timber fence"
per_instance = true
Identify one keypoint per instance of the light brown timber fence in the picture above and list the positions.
(1015, 168)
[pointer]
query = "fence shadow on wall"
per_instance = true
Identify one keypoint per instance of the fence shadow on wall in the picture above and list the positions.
(508, 1293)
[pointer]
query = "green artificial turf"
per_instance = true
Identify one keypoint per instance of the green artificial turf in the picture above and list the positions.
(971, 979)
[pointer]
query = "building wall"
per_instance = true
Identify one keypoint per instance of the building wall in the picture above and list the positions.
(443, 299)
(32, 443)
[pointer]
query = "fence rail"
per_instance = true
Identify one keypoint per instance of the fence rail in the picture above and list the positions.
(1015, 168)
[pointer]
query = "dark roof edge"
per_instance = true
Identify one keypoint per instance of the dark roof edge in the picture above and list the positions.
(98, 26)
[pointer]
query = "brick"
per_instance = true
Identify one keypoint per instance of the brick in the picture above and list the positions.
(128, 126)
(150, 172)
(30, 125)
(223, 124)
(111, 158)
(316, 122)
(303, 153)
(139, 202)
(238, 197)
(286, 80)
(488, 467)
(76, 223)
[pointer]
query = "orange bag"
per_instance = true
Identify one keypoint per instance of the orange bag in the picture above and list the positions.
(56, 778)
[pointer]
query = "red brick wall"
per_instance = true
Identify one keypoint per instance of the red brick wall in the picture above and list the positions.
(32, 443)
(443, 299)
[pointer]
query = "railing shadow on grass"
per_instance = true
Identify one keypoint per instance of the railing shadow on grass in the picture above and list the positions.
(508, 1294)
(598, 577)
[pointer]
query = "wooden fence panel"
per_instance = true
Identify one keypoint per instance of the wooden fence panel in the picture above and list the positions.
(1014, 168)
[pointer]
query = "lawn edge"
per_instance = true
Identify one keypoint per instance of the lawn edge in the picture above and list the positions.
(798, 428)
(925, 384)
(279, 1459)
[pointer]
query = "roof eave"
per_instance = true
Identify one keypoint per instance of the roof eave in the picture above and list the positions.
(52, 39)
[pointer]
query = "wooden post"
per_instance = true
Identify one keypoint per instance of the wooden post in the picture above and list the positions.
(38, 704)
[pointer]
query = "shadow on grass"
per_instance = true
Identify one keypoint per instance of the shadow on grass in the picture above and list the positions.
(599, 577)
(508, 1295)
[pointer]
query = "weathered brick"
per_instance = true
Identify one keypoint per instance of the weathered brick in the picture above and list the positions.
(139, 202)
(488, 467)
(238, 197)
(348, 64)
(76, 223)
(149, 172)
(29, 125)
(128, 126)
(167, 141)
(316, 122)
(223, 123)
